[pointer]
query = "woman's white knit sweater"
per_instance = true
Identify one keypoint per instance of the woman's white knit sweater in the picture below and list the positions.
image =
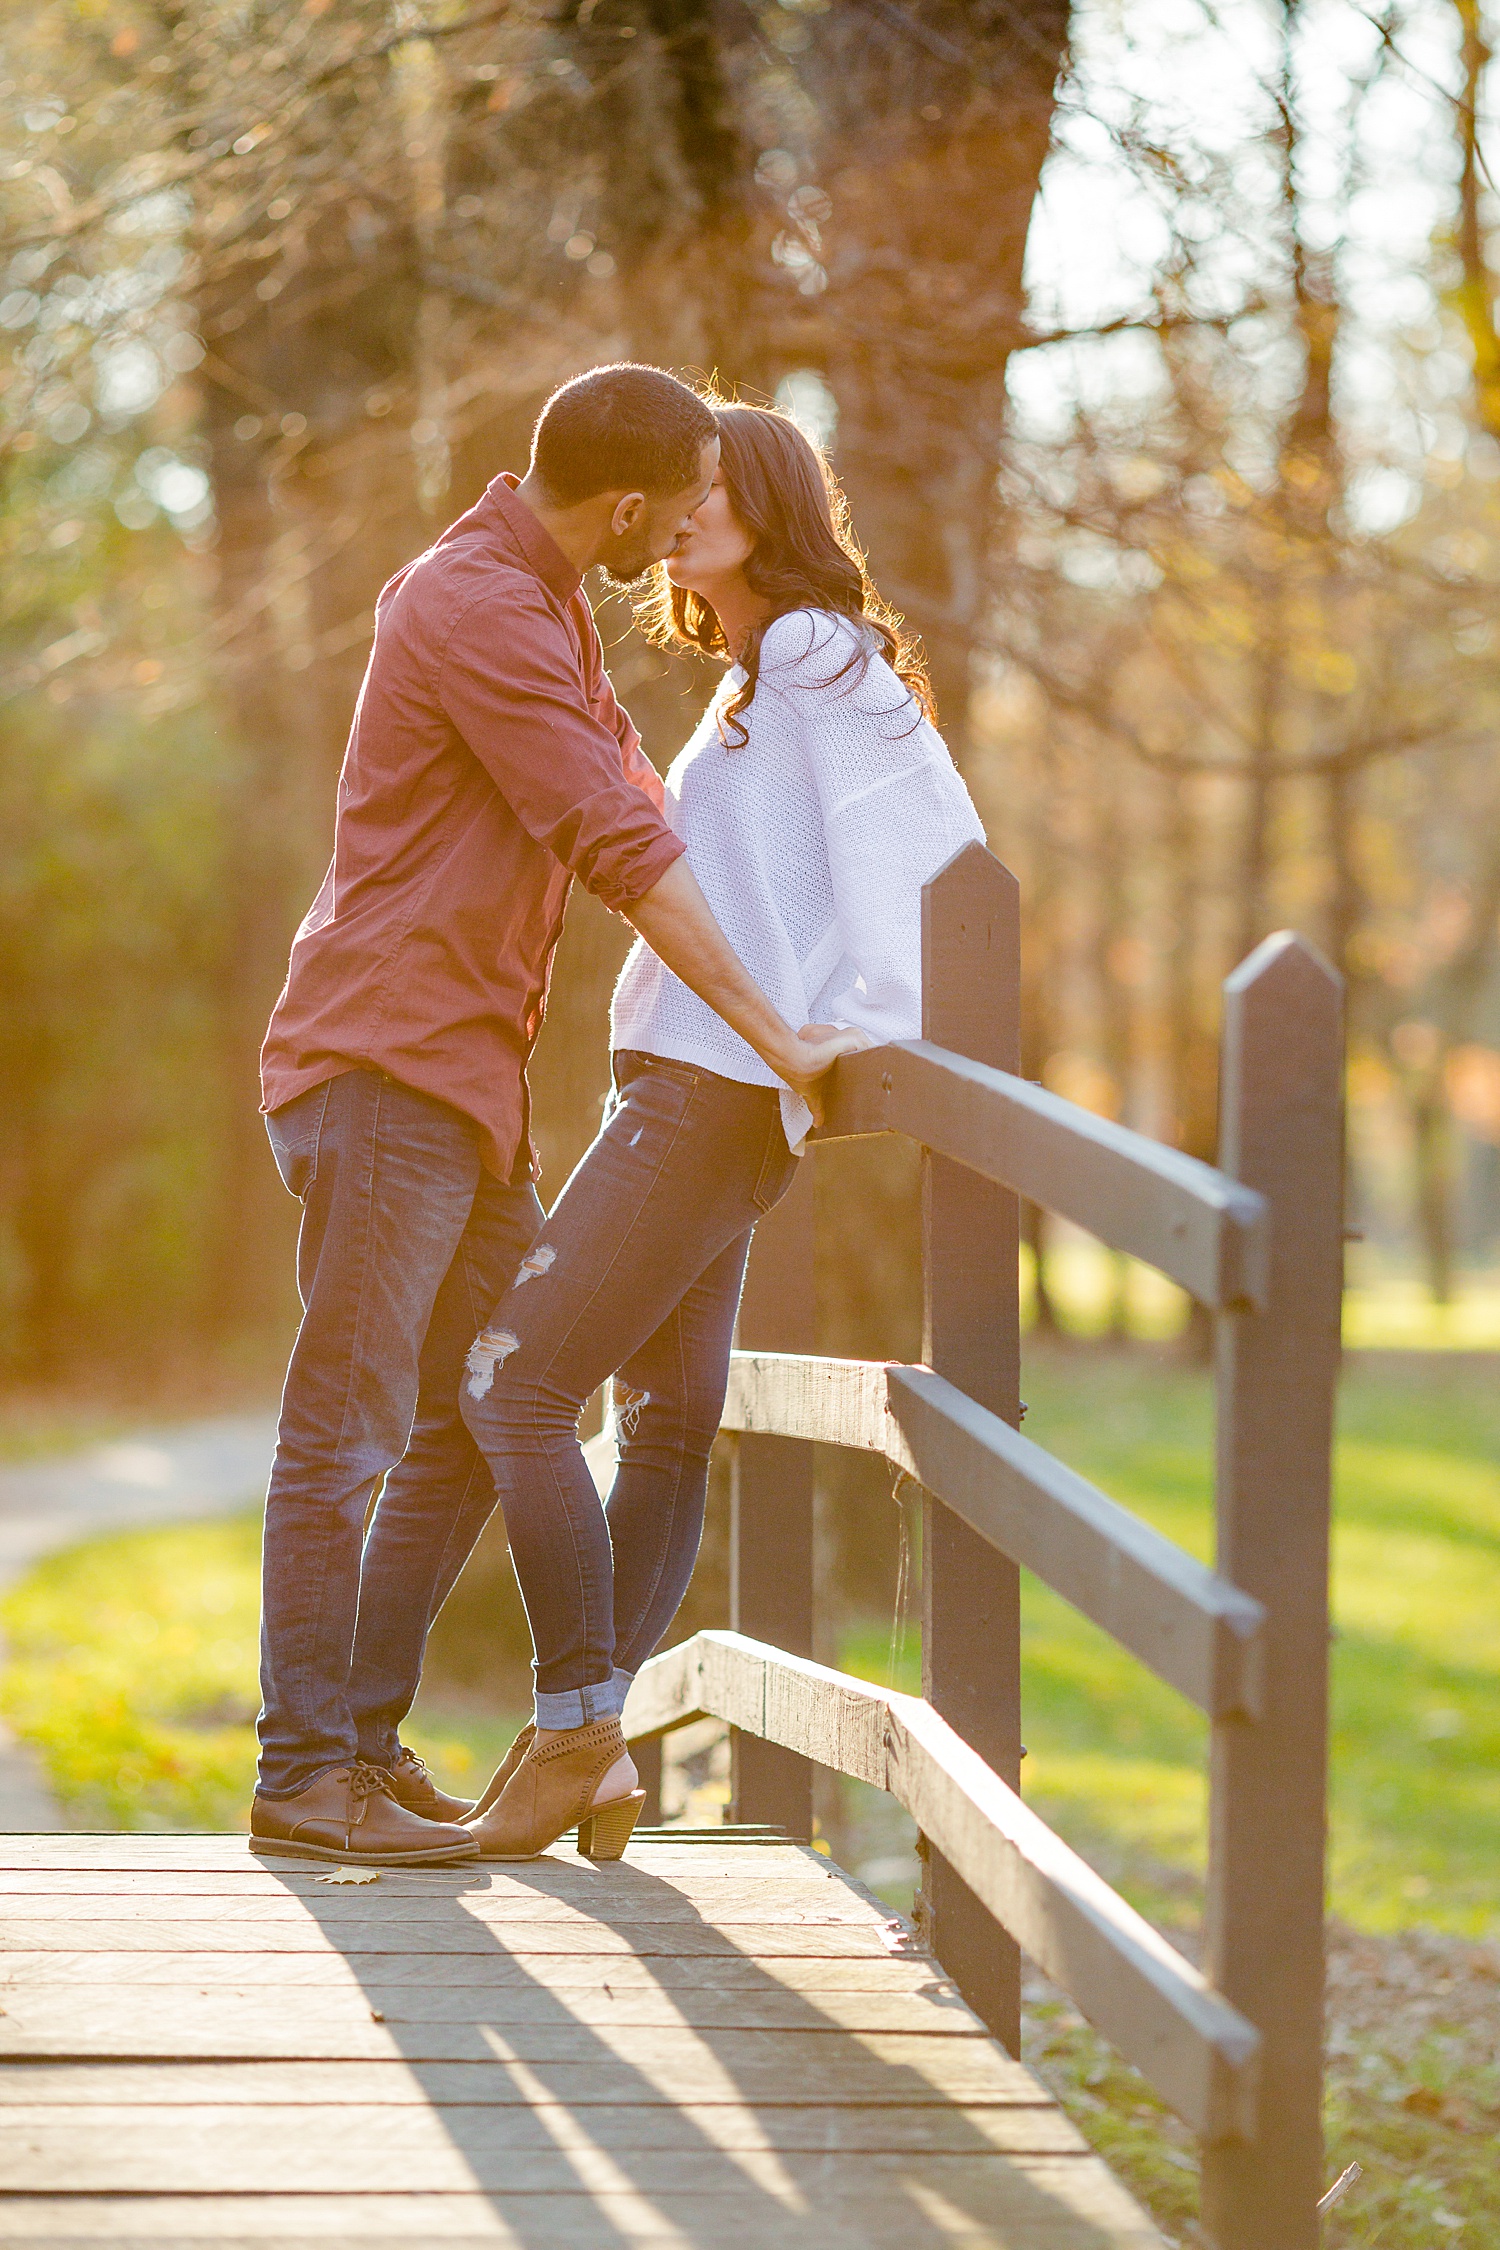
(811, 842)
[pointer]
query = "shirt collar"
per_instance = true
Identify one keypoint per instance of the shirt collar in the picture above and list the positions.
(536, 543)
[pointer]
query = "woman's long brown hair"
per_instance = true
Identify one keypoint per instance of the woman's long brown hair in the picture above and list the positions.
(805, 557)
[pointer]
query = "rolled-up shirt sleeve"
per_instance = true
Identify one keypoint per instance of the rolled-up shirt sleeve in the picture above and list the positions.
(508, 678)
(638, 767)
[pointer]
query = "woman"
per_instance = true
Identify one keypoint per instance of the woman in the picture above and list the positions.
(815, 800)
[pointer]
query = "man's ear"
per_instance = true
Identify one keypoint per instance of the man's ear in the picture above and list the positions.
(628, 510)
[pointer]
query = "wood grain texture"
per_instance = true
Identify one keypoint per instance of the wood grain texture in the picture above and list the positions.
(225, 2088)
(1040, 2129)
(1194, 1629)
(1046, 2203)
(568, 1875)
(1199, 2053)
(462, 1934)
(709, 1851)
(1137, 1195)
(1283, 1133)
(971, 1337)
(190, 2019)
(607, 2080)
(772, 1503)
(577, 1973)
(801, 1903)
(210, 2162)
(423, 2149)
(676, 2064)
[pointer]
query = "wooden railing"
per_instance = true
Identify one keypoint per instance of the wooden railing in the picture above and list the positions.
(1235, 2047)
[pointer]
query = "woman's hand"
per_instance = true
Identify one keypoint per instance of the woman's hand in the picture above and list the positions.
(812, 1055)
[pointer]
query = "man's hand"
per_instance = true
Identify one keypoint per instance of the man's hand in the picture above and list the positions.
(674, 919)
(813, 1053)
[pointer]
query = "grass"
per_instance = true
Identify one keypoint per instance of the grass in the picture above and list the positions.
(1116, 1758)
(1093, 1290)
(133, 1672)
(1415, 1816)
(1412, 2097)
(39, 1428)
(1116, 1764)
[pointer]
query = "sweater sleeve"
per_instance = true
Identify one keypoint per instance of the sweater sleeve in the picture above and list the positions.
(894, 812)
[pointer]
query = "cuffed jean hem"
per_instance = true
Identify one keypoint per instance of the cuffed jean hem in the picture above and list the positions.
(580, 1707)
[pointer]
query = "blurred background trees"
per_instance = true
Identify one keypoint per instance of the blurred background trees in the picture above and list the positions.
(1188, 473)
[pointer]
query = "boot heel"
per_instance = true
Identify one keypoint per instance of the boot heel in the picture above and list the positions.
(604, 1833)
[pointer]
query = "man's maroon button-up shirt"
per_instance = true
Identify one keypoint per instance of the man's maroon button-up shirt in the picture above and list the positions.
(488, 764)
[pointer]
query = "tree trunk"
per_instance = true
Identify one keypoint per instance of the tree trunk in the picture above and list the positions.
(1346, 894)
(1476, 293)
(1433, 1132)
(930, 144)
(1112, 967)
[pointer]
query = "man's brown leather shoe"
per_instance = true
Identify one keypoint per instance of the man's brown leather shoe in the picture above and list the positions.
(352, 1814)
(413, 1786)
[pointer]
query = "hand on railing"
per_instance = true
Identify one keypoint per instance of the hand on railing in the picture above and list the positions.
(817, 1048)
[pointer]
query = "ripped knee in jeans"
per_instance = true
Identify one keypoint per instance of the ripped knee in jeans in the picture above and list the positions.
(629, 1406)
(490, 1349)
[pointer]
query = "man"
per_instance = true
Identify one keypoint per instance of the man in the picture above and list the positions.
(488, 765)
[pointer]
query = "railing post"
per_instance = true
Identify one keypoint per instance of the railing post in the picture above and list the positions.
(1282, 1133)
(648, 1769)
(771, 1506)
(971, 1632)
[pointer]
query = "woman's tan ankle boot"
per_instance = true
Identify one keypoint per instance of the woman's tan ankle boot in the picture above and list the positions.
(503, 1771)
(552, 1788)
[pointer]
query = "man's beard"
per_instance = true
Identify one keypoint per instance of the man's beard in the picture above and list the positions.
(619, 583)
(630, 569)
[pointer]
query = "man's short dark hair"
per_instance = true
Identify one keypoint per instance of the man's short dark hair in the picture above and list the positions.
(619, 429)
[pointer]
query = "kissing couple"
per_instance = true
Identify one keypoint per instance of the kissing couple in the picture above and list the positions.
(451, 1329)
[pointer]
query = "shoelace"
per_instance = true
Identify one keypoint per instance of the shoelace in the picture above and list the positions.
(366, 1782)
(417, 1766)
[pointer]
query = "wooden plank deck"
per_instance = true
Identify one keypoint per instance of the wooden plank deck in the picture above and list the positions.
(716, 2045)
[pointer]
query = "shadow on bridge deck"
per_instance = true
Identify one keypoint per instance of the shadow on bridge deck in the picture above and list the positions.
(712, 2046)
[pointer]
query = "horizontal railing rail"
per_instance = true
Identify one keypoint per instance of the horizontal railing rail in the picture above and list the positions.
(1199, 1227)
(1199, 2053)
(1192, 1628)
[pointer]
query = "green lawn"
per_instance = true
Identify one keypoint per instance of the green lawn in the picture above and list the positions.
(1415, 1824)
(33, 1429)
(1116, 1759)
(1412, 2095)
(133, 1671)
(1115, 1762)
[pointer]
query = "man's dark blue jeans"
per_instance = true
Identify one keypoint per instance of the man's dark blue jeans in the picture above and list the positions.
(636, 1275)
(406, 1242)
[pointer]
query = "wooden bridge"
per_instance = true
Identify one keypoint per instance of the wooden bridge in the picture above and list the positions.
(720, 2044)
(724, 2042)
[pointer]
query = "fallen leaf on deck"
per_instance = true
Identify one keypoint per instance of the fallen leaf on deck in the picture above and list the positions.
(353, 1875)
